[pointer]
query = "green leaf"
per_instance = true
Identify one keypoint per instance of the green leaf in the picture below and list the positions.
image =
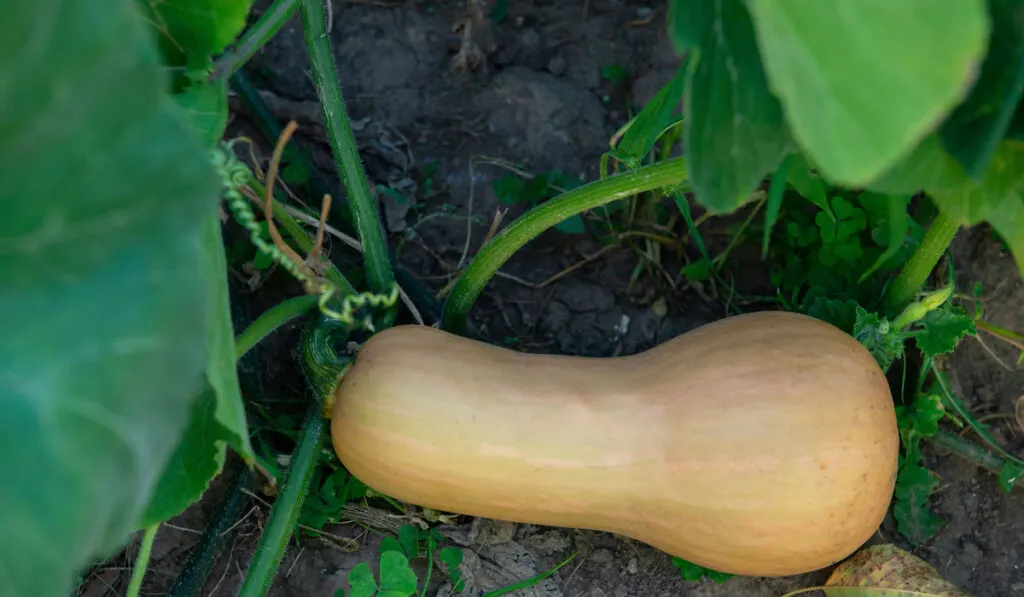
(928, 166)
(1010, 474)
(698, 271)
(943, 329)
(923, 414)
(974, 130)
(809, 186)
(409, 539)
(840, 313)
(452, 558)
(914, 519)
(615, 73)
(390, 544)
(217, 417)
(999, 192)
(735, 131)
(207, 107)
(221, 370)
(899, 221)
(997, 198)
(571, 225)
(396, 577)
(104, 294)
(510, 189)
(198, 458)
(648, 125)
(688, 20)
(879, 336)
(690, 571)
(776, 193)
(191, 31)
(719, 578)
(863, 82)
(361, 582)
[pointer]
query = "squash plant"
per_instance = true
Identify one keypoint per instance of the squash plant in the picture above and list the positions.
(118, 390)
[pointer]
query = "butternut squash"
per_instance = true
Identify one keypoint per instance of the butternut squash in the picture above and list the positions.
(763, 444)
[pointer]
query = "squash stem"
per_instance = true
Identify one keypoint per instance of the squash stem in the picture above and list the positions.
(343, 145)
(494, 254)
(972, 452)
(285, 512)
(142, 561)
(920, 265)
(254, 38)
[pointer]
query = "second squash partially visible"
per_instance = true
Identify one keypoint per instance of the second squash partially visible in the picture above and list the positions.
(763, 444)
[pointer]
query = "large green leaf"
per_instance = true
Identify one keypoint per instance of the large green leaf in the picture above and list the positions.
(193, 30)
(863, 82)
(996, 196)
(974, 130)
(687, 22)
(217, 418)
(735, 131)
(221, 369)
(928, 166)
(103, 297)
(207, 107)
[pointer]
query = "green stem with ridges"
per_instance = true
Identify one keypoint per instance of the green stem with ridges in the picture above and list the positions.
(921, 264)
(142, 561)
(970, 451)
(267, 124)
(495, 253)
(323, 367)
(272, 319)
(285, 512)
(254, 38)
(200, 560)
(343, 145)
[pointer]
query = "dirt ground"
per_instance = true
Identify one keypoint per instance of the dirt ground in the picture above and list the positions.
(432, 87)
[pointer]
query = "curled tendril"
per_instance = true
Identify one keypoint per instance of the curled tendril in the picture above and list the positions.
(356, 311)
(235, 174)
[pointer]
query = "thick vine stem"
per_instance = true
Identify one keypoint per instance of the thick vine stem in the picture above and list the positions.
(191, 578)
(920, 265)
(343, 145)
(493, 255)
(254, 38)
(285, 512)
(972, 452)
(271, 320)
(324, 368)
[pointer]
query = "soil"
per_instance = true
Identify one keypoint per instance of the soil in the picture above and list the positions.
(434, 88)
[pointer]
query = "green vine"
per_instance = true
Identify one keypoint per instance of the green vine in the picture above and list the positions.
(669, 173)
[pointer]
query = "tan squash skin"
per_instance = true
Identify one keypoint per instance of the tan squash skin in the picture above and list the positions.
(763, 444)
